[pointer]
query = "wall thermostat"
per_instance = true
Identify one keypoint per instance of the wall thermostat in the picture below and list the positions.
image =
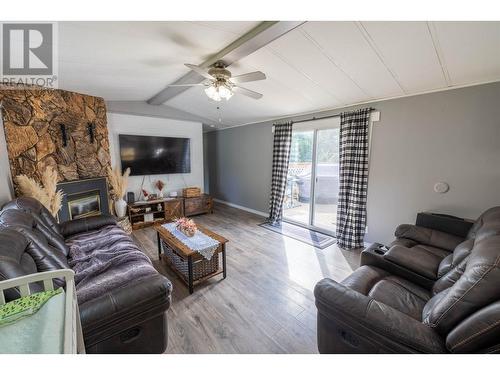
(441, 187)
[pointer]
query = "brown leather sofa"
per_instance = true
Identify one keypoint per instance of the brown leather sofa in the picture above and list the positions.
(128, 319)
(433, 294)
(426, 251)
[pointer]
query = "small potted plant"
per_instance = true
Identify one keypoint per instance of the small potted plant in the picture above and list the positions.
(160, 185)
(186, 226)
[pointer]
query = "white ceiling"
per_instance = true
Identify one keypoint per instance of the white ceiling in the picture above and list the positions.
(318, 66)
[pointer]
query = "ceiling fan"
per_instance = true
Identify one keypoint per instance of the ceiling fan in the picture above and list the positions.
(220, 84)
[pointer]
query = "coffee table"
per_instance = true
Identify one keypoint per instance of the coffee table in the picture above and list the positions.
(190, 265)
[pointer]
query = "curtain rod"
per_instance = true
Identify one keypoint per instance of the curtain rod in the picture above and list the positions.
(324, 117)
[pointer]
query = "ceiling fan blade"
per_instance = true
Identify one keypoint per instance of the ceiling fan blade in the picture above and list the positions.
(202, 72)
(247, 92)
(249, 77)
(187, 85)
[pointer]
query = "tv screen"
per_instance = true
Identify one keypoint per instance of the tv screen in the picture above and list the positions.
(154, 155)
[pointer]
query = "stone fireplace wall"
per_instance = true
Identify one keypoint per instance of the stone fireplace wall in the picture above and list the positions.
(32, 121)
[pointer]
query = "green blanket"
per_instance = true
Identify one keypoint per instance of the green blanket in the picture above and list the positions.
(34, 326)
(25, 306)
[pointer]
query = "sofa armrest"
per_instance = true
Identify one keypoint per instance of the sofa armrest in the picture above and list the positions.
(86, 224)
(415, 259)
(136, 308)
(427, 236)
(386, 328)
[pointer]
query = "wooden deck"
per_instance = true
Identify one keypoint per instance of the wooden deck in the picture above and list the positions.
(266, 303)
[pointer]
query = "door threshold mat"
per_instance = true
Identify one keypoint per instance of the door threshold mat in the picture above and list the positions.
(310, 237)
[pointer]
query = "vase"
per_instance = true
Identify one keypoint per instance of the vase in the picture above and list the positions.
(120, 207)
(160, 193)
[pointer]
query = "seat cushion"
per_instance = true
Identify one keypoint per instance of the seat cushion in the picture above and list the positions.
(418, 259)
(428, 237)
(105, 259)
(436, 251)
(393, 291)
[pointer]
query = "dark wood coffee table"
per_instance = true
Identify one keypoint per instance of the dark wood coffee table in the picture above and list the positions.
(178, 255)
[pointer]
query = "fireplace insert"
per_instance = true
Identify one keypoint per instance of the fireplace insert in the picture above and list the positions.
(83, 198)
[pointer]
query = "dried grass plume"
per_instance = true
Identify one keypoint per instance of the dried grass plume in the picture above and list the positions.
(118, 181)
(46, 192)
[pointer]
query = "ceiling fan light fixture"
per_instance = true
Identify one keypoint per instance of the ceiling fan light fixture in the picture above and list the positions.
(218, 91)
(213, 93)
(220, 84)
(225, 92)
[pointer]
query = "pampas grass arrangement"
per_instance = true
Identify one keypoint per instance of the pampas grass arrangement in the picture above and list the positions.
(118, 181)
(46, 192)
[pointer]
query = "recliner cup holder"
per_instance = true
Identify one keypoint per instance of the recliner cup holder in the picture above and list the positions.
(379, 251)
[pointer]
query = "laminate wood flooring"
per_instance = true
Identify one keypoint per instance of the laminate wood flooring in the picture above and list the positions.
(266, 303)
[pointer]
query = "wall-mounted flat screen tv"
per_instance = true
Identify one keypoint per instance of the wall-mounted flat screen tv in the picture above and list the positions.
(146, 155)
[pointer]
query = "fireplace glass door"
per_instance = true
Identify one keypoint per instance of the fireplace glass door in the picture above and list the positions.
(84, 204)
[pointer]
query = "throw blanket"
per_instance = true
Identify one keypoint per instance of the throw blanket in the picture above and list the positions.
(105, 259)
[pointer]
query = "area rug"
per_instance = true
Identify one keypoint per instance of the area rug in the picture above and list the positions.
(316, 239)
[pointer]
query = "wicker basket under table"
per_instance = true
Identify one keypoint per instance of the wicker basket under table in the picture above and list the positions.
(188, 264)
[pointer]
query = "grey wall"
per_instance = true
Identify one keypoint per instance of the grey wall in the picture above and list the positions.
(239, 165)
(451, 136)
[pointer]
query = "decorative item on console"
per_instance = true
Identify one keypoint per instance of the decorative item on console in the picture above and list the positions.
(186, 226)
(149, 196)
(130, 197)
(119, 184)
(191, 192)
(160, 185)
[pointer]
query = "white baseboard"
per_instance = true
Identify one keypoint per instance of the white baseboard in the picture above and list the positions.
(260, 213)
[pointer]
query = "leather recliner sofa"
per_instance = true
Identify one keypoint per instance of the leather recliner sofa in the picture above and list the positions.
(425, 252)
(128, 319)
(454, 308)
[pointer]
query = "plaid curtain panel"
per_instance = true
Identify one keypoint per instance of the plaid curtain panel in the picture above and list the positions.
(353, 179)
(281, 156)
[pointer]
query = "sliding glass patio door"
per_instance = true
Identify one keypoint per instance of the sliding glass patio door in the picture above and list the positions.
(312, 181)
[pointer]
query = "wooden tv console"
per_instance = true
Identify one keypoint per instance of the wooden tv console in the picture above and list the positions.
(163, 210)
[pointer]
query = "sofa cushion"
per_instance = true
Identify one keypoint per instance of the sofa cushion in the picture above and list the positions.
(488, 216)
(46, 256)
(426, 236)
(409, 300)
(15, 261)
(363, 279)
(86, 224)
(37, 210)
(390, 290)
(479, 331)
(417, 259)
(449, 278)
(105, 259)
(34, 215)
(474, 289)
(350, 322)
